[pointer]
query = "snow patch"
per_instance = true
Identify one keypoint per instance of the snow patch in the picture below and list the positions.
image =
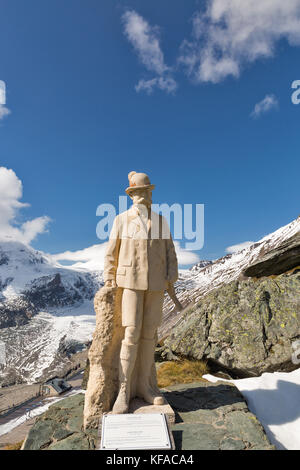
(274, 398)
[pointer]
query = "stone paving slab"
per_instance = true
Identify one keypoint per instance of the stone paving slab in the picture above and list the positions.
(214, 416)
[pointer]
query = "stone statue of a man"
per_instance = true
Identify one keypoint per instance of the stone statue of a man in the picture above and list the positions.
(140, 259)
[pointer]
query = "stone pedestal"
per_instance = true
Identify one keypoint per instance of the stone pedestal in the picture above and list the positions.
(137, 405)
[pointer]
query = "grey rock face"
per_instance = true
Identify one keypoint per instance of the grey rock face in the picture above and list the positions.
(202, 264)
(214, 416)
(245, 326)
(3, 258)
(194, 285)
(60, 428)
(277, 261)
(16, 312)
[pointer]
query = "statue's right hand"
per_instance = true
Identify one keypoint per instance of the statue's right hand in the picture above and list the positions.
(110, 283)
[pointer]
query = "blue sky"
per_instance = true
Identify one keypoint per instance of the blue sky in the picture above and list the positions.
(78, 76)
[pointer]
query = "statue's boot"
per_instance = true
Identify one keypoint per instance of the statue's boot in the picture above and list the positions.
(144, 389)
(127, 361)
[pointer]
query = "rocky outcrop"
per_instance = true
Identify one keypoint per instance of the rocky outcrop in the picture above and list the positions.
(277, 261)
(60, 428)
(16, 312)
(245, 326)
(214, 416)
(86, 374)
(193, 286)
(209, 416)
(202, 264)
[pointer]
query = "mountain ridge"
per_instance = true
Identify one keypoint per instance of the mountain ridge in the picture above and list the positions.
(47, 313)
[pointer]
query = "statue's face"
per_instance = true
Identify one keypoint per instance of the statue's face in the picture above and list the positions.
(142, 196)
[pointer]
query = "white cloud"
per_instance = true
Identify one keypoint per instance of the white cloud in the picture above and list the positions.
(32, 228)
(146, 42)
(11, 191)
(93, 256)
(269, 102)
(2, 92)
(90, 258)
(185, 257)
(167, 84)
(3, 111)
(238, 247)
(231, 33)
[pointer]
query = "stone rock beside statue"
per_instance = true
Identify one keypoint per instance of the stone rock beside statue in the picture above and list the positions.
(247, 327)
(278, 260)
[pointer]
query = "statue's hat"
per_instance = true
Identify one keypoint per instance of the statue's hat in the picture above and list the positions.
(138, 181)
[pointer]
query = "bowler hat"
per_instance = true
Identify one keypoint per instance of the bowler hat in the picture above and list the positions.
(138, 181)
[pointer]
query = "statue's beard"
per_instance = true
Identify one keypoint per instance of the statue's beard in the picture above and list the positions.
(143, 201)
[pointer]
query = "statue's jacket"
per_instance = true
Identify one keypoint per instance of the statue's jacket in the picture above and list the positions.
(140, 253)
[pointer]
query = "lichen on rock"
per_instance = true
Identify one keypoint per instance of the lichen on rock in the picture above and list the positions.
(61, 428)
(246, 326)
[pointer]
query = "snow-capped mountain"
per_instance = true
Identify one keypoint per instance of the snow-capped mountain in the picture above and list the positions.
(202, 264)
(46, 311)
(195, 283)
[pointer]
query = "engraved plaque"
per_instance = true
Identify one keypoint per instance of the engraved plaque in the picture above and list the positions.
(135, 431)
